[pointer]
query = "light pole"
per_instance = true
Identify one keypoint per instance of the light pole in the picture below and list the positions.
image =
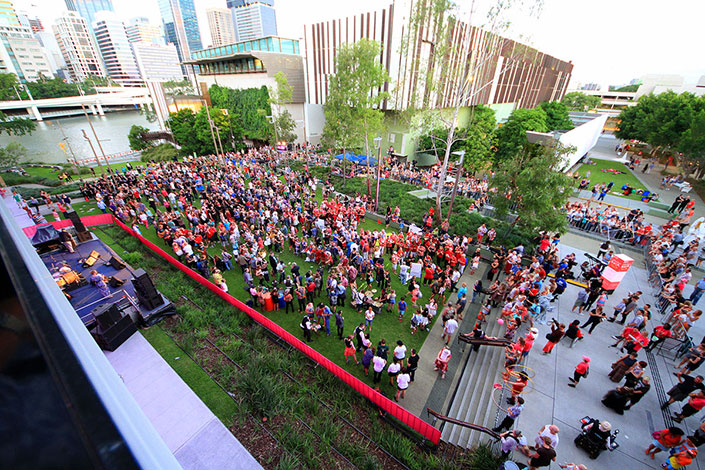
(85, 136)
(83, 107)
(455, 185)
(378, 147)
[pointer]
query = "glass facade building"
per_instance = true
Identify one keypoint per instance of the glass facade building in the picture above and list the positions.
(253, 19)
(115, 48)
(181, 26)
(88, 8)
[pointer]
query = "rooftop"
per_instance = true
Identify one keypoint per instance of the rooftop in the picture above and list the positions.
(267, 44)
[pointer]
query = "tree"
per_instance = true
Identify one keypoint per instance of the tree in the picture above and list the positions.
(355, 95)
(178, 87)
(532, 182)
(8, 85)
(692, 145)
(182, 124)
(627, 88)
(556, 116)
(135, 138)
(11, 154)
(576, 101)
(279, 97)
(160, 153)
(511, 137)
(251, 106)
(17, 126)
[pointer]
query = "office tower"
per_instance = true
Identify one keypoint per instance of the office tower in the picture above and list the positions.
(22, 54)
(78, 47)
(117, 54)
(35, 24)
(88, 8)
(53, 53)
(220, 22)
(253, 19)
(157, 62)
(181, 26)
(8, 15)
(140, 30)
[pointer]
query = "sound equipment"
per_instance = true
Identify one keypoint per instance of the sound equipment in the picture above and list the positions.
(76, 221)
(116, 263)
(115, 282)
(147, 294)
(84, 236)
(92, 258)
(112, 337)
(107, 315)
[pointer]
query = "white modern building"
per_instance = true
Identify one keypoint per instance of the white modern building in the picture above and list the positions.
(253, 19)
(141, 30)
(220, 23)
(53, 53)
(659, 83)
(157, 62)
(117, 54)
(22, 54)
(78, 47)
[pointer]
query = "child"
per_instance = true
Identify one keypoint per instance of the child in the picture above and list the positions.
(349, 350)
(402, 308)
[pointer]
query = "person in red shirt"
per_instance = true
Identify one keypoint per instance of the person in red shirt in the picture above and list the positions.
(659, 335)
(428, 275)
(695, 404)
(581, 371)
(664, 440)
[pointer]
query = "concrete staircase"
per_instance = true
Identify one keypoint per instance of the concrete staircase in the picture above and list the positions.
(473, 400)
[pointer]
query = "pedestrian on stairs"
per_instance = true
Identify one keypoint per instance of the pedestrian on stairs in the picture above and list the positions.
(513, 413)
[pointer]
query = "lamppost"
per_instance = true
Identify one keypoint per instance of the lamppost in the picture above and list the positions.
(457, 178)
(378, 147)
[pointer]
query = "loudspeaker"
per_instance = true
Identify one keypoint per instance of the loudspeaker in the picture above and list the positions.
(116, 263)
(76, 221)
(115, 282)
(84, 236)
(91, 260)
(147, 294)
(106, 315)
(111, 338)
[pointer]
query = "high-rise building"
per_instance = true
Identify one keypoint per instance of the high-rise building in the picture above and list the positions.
(181, 26)
(53, 53)
(88, 8)
(22, 54)
(35, 24)
(78, 47)
(141, 30)
(8, 15)
(220, 22)
(253, 19)
(157, 62)
(117, 54)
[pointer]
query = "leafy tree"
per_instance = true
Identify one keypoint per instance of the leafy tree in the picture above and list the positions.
(193, 132)
(7, 82)
(11, 154)
(556, 116)
(135, 137)
(511, 137)
(629, 88)
(532, 181)
(576, 101)
(251, 106)
(12, 126)
(178, 87)
(279, 97)
(181, 124)
(160, 153)
(692, 144)
(355, 94)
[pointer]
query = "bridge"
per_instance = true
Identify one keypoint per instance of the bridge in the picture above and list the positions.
(106, 96)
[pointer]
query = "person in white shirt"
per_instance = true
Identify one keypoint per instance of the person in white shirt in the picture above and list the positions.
(378, 364)
(393, 370)
(369, 316)
(400, 351)
(403, 380)
(551, 431)
(450, 328)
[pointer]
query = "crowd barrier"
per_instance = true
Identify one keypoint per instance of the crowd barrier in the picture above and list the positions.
(411, 420)
(88, 221)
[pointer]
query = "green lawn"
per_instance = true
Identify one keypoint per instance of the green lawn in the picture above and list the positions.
(597, 176)
(212, 395)
(386, 325)
(52, 173)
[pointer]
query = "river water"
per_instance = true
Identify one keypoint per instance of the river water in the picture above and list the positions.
(112, 129)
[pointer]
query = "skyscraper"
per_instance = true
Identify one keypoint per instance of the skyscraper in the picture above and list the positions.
(22, 54)
(141, 30)
(220, 22)
(181, 26)
(157, 62)
(115, 48)
(88, 8)
(8, 15)
(253, 19)
(78, 47)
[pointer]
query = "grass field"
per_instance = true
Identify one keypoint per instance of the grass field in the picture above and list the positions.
(385, 325)
(597, 176)
(52, 173)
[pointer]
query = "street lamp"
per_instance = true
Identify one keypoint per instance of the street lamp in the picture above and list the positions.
(378, 147)
(461, 153)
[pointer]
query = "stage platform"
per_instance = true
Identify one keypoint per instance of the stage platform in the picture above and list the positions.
(86, 298)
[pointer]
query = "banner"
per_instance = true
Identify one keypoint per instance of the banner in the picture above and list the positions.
(88, 221)
(406, 417)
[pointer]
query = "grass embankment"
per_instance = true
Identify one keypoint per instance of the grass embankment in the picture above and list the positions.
(597, 176)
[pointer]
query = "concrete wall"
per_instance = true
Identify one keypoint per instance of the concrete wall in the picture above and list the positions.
(584, 138)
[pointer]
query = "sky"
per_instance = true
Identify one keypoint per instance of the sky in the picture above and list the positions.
(608, 41)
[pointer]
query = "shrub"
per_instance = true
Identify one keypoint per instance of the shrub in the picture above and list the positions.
(160, 153)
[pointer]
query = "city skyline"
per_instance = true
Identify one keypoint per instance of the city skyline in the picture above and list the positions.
(606, 41)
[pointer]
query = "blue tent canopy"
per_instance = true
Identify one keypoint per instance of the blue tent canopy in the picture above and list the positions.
(365, 160)
(349, 156)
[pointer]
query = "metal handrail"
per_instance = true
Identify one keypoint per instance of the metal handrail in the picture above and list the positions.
(475, 427)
